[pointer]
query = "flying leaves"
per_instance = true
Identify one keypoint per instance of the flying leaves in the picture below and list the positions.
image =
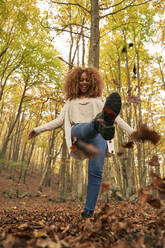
(154, 161)
(158, 182)
(133, 99)
(129, 144)
(146, 194)
(116, 82)
(144, 133)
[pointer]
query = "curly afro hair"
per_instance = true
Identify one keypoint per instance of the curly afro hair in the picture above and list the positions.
(72, 80)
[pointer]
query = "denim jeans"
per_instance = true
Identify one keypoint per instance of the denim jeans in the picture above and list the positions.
(87, 133)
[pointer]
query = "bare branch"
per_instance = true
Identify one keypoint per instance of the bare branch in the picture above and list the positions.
(72, 4)
(3, 51)
(65, 61)
(123, 24)
(112, 5)
(128, 6)
(77, 43)
(65, 30)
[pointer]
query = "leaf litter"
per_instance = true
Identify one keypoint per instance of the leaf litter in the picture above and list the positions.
(116, 224)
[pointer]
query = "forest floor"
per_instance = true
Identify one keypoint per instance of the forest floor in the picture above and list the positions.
(41, 222)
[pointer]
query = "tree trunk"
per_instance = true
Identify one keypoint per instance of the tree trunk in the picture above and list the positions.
(62, 172)
(6, 141)
(22, 166)
(40, 187)
(94, 45)
(162, 74)
(129, 162)
(77, 179)
(118, 172)
(46, 178)
(28, 161)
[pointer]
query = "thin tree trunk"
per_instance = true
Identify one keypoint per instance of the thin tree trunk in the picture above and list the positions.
(46, 177)
(28, 160)
(62, 172)
(162, 74)
(77, 187)
(94, 45)
(129, 162)
(22, 166)
(6, 141)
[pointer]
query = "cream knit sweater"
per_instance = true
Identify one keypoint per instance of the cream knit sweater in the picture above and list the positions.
(78, 111)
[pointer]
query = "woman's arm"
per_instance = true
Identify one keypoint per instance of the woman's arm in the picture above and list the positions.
(122, 124)
(50, 125)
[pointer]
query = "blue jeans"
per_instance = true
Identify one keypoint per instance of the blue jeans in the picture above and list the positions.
(87, 133)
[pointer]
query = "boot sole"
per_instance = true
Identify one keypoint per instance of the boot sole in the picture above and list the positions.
(112, 108)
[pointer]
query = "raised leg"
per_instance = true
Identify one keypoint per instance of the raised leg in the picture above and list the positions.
(84, 131)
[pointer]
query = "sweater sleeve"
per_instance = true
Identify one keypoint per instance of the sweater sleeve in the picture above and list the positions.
(58, 122)
(122, 124)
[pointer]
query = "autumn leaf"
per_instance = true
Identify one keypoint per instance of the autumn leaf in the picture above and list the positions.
(143, 133)
(128, 144)
(115, 81)
(73, 148)
(144, 195)
(133, 99)
(119, 154)
(161, 195)
(104, 187)
(152, 174)
(155, 203)
(154, 161)
(158, 182)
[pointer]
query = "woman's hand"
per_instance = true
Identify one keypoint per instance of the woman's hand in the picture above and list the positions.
(32, 134)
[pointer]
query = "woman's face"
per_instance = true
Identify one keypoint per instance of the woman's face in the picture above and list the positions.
(84, 84)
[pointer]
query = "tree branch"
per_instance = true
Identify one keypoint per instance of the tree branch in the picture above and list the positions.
(128, 6)
(112, 5)
(65, 61)
(3, 51)
(123, 24)
(64, 28)
(72, 4)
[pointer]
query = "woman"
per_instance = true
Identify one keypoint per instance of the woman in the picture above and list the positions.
(88, 124)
